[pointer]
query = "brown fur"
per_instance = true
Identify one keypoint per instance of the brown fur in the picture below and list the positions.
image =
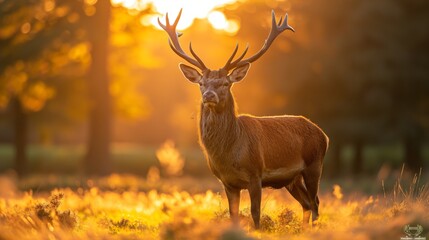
(240, 148)
(247, 152)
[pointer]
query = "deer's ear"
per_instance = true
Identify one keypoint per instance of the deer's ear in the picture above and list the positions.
(190, 73)
(239, 73)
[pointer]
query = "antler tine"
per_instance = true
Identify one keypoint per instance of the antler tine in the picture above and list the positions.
(230, 65)
(196, 56)
(177, 18)
(276, 29)
(176, 51)
(241, 56)
(167, 21)
(174, 41)
(273, 19)
(285, 25)
(231, 57)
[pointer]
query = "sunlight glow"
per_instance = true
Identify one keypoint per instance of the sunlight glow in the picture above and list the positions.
(170, 159)
(217, 20)
(192, 9)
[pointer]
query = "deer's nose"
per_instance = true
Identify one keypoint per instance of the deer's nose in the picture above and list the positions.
(210, 96)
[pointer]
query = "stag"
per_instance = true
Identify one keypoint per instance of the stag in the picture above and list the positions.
(248, 152)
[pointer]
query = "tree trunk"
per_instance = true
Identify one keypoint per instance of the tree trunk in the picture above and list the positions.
(20, 140)
(358, 158)
(413, 156)
(98, 152)
(336, 168)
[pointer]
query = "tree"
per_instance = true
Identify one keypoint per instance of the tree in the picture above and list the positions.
(370, 80)
(98, 153)
(409, 92)
(27, 36)
(389, 55)
(42, 58)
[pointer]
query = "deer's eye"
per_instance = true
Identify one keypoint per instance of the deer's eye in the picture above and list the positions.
(226, 84)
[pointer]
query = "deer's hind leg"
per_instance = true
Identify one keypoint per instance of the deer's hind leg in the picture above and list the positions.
(298, 190)
(312, 176)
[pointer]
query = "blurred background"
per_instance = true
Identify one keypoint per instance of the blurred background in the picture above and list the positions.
(91, 87)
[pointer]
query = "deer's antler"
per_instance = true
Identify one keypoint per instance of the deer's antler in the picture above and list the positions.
(175, 45)
(276, 29)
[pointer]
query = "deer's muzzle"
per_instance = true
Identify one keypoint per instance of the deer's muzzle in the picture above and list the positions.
(210, 98)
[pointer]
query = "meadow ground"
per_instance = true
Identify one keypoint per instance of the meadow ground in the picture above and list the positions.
(174, 196)
(131, 207)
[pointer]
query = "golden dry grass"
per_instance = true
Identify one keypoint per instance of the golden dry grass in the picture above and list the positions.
(117, 207)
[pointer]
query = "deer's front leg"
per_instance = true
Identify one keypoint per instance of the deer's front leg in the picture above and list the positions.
(255, 191)
(233, 195)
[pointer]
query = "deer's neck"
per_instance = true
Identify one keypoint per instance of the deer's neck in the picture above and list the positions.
(219, 129)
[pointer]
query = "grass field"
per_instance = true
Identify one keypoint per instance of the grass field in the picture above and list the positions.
(130, 207)
(174, 199)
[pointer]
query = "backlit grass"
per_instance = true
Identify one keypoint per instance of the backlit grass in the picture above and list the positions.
(119, 207)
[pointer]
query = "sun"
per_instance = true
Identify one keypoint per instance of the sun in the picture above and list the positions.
(192, 9)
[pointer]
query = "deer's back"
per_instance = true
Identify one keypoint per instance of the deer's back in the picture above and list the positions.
(285, 141)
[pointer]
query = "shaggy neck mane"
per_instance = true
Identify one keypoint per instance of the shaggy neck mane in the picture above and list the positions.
(219, 128)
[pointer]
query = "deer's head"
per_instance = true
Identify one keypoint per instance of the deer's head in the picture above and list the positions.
(215, 85)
